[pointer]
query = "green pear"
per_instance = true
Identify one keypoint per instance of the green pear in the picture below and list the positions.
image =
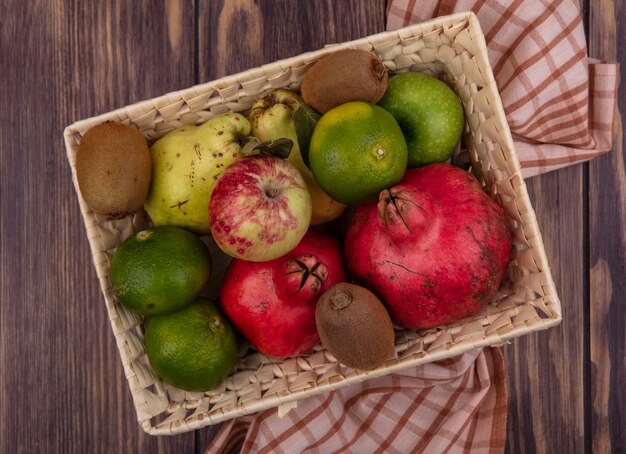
(272, 118)
(186, 163)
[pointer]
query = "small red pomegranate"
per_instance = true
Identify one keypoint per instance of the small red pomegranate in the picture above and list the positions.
(273, 303)
(434, 248)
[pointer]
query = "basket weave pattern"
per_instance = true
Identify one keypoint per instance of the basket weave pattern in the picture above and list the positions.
(452, 47)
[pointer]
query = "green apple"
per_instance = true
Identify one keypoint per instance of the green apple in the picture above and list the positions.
(429, 113)
(185, 165)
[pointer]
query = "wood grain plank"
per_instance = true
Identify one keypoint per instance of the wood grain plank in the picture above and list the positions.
(240, 34)
(236, 35)
(607, 243)
(62, 387)
(545, 369)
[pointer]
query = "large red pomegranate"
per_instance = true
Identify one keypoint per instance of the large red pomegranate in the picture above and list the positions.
(273, 303)
(434, 247)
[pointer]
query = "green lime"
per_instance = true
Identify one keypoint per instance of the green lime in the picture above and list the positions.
(160, 270)
(357, 149)
(430, 114)
(194, 348)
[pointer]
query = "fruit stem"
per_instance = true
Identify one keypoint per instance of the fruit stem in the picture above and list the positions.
(379, 69)
(405, 212)
(392, 199)
(340, 300)
(314, 273)
(144, 235)
(305, 274)
(272, 192)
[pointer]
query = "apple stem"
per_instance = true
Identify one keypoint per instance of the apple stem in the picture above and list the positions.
(272, 192)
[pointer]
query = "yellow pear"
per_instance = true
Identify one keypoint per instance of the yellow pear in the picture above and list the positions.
(185, 165)
(271, 118)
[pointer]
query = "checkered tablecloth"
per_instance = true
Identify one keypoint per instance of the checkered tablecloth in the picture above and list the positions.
(560, 104)
(455, 405)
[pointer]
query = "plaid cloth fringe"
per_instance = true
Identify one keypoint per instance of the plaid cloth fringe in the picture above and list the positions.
(455, 405)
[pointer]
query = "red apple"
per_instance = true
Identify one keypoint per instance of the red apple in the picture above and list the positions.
(273, 303)
(260, 208)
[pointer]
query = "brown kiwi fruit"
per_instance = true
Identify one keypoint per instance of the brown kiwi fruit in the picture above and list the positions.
(354, 326)
(113, 169)
(344, 76)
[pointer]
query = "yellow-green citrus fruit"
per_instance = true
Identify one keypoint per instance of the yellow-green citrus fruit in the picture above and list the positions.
(194, 348)
(160, 270)
(357, 149)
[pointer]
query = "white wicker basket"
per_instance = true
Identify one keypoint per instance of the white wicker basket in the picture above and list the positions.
(452, 47)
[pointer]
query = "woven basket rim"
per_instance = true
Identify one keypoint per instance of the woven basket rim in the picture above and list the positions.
(495, 337)
(470, 16)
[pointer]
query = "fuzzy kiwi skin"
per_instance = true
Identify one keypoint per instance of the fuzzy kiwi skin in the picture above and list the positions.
(354, 326)
(113, 169)
(344, 76)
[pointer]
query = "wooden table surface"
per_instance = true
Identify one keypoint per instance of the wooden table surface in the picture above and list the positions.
(62, 387)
